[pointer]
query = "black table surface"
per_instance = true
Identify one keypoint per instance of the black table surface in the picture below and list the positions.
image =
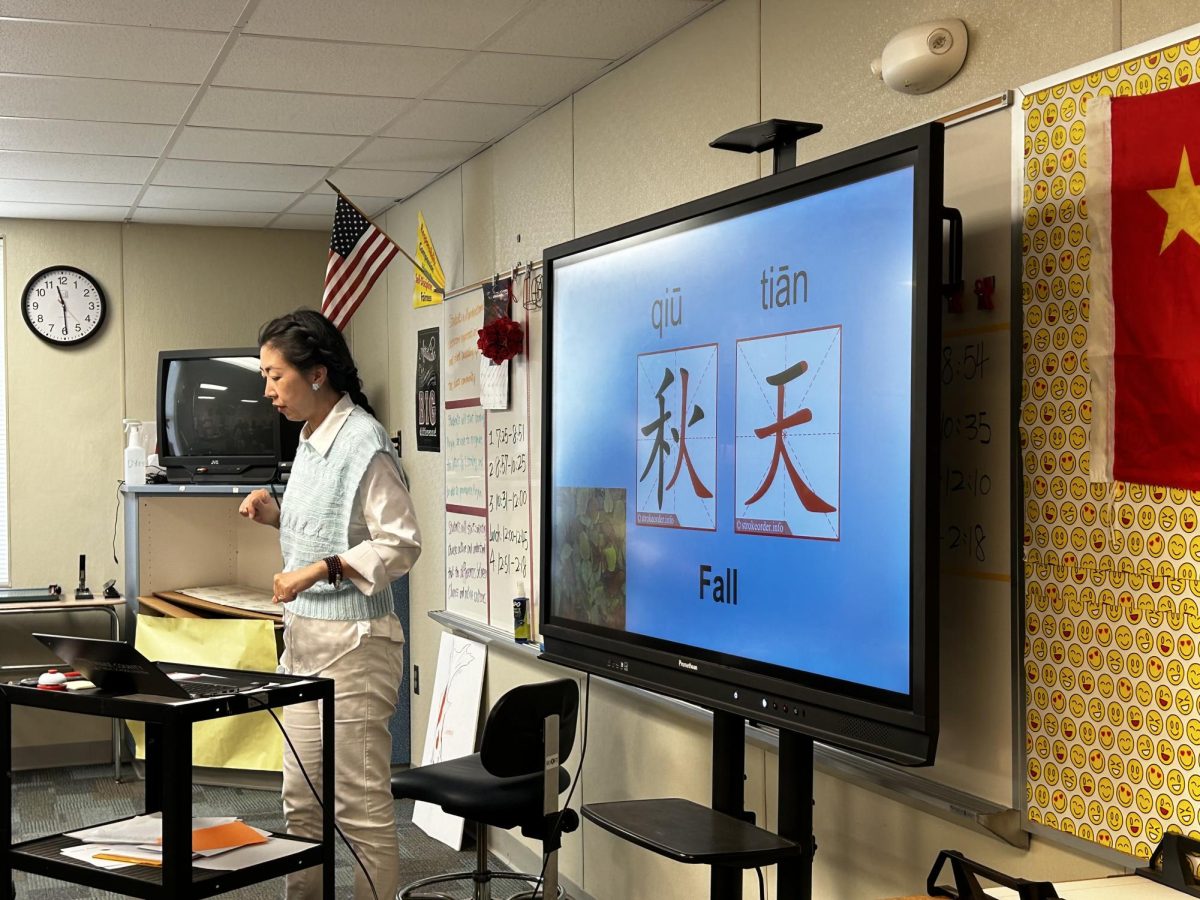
(280, 691)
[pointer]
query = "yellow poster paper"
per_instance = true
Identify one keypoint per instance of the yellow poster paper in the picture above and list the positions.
(426, 292)
(247, 741)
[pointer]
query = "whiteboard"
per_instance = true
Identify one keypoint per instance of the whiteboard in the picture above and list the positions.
(976, 749)
(489, 483)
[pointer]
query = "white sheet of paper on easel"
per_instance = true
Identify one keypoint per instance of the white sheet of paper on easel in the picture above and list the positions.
(453, 723)
(493, 384)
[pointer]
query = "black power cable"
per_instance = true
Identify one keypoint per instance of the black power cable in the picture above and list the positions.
(317, 796)
(116, 514)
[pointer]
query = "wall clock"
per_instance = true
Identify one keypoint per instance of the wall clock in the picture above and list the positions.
(63, 305)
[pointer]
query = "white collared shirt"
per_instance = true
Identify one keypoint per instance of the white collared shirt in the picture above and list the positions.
(384, 537)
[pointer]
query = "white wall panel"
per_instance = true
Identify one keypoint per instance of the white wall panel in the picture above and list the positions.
(642, 132)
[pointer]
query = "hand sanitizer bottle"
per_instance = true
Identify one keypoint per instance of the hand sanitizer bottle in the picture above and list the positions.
(135, 454)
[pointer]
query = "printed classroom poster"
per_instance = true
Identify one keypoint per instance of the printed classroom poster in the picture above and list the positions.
(427, 292)
(429, 390)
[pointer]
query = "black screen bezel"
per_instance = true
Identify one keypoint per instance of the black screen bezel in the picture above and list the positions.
(716, 679)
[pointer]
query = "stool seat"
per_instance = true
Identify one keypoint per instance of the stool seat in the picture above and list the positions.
(463, 787)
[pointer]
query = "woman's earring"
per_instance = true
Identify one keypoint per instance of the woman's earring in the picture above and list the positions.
(316, 385)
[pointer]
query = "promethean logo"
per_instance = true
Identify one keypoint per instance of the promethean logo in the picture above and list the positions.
(691, 667)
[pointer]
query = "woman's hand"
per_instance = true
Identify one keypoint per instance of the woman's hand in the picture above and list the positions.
(260, 507)
(288, 585)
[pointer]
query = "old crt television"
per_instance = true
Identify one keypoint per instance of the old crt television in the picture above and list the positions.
(214, 424)
(740, 449)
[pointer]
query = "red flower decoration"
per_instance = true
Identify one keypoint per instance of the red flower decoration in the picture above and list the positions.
(501, 339)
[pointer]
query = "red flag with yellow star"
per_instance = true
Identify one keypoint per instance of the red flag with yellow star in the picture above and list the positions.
(1144, 336)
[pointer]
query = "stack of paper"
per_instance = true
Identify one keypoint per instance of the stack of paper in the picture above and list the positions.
(138, 841)
(140, 829)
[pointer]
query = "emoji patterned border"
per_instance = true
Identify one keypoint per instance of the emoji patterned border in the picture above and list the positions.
(1111, 618)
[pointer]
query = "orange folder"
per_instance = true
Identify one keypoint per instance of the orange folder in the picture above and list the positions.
(224, 837)
(221, 837)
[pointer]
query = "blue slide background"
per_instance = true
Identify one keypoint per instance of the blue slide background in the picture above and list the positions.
(833, 608)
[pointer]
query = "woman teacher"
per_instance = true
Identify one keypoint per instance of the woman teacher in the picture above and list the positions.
(347, 529)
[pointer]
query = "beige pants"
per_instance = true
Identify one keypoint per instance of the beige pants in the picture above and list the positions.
(366, 661)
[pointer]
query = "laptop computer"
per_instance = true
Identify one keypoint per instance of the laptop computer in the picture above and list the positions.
(117, 667)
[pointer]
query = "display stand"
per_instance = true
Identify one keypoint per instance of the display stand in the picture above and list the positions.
(168, 787)
(724, 836)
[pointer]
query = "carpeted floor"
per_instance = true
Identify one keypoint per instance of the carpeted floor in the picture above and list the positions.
(56, 800)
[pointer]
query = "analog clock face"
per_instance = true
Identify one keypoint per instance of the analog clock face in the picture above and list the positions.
(63, 305)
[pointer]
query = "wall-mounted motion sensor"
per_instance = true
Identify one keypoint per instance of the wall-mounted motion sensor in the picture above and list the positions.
(923, 58)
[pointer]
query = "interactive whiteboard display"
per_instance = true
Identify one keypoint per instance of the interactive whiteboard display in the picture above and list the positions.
(735, 397)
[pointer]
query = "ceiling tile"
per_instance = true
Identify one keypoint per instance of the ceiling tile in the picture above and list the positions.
(75, 167)
(455, 121)
(332, 68)
(216, 198)
(230, 145)
(517, 78)
(92, 92)
(301, 222)
(201, 217)
(415, 23)
(19, 190)
(608, 30)
(106, 138)
(378, 183)
(243, 176)
(283, 111)
(61, 211)
(213, 15)
(323, 204)
(411, 155)
(47, 97)
(104, 51)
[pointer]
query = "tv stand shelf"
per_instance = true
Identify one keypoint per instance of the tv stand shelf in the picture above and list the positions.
(202, 488)
(179, 535)
(690, 833)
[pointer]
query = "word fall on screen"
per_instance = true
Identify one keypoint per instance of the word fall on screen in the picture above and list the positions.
(724, 588)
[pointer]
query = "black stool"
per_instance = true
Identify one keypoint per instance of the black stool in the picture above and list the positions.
(504, 785)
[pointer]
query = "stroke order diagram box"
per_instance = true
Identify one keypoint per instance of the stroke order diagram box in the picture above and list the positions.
(677, 438)
(787, 449)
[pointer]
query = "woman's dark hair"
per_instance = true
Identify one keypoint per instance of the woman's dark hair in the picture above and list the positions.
(305, 338)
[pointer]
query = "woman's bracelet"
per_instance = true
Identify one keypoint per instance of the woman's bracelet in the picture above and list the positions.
(333, 566)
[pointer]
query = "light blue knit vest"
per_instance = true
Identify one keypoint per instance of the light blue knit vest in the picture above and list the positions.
(314, 517)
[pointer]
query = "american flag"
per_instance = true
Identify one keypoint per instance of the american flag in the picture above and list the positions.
(358, 254)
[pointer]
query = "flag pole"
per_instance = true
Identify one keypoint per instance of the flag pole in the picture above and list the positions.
(419, 267)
